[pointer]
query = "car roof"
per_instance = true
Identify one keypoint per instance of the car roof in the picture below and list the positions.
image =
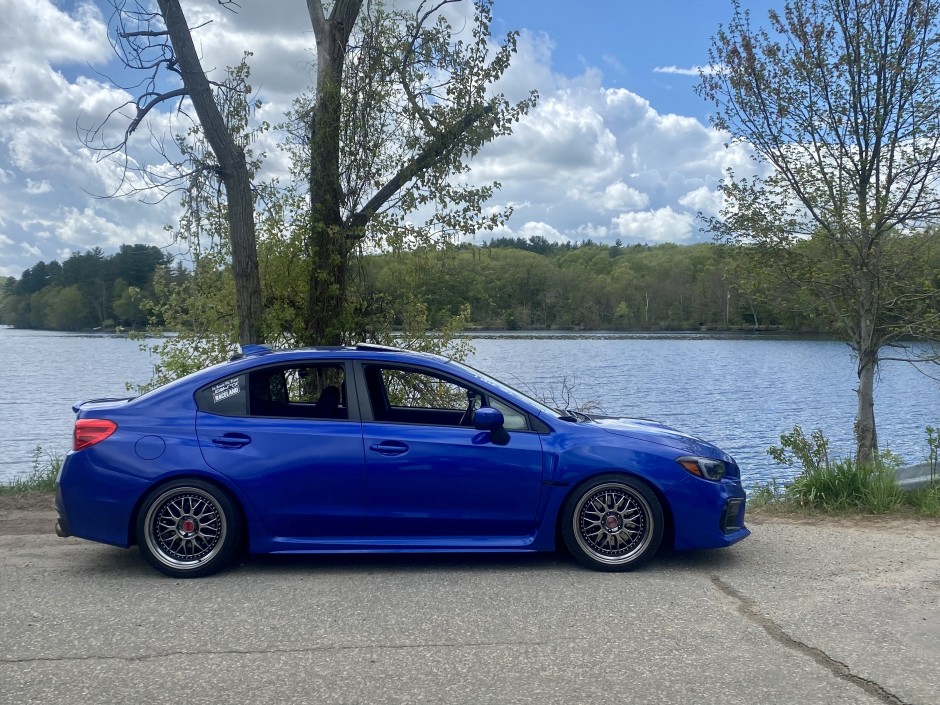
(367, 350)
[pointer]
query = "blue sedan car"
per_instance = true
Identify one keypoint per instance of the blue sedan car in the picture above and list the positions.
(373, 449)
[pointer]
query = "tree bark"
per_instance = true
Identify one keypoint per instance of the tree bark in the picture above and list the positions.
(867, 347)
(329, 244)
(233, 170)
(866, 437)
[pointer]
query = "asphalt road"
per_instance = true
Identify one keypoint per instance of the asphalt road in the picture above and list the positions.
(831, 612)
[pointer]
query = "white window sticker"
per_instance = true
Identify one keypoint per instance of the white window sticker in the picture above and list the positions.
(224, 390)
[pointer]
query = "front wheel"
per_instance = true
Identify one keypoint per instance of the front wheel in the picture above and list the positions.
(188, 529)
(612, 523)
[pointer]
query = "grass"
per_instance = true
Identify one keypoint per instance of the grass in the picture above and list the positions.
(844, 487)
(40, 478)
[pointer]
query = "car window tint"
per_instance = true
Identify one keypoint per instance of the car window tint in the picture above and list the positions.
(404, 395)
(299, 391)
(512, 419)
(227, 398)
(416, 390)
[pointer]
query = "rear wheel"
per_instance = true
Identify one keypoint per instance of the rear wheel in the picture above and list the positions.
(188, 529)
(612, 523)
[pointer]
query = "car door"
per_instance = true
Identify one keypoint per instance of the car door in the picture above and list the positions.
(292, 445)
(437, 481)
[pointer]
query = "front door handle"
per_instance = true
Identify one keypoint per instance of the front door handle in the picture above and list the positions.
(232, 440)
(389, 448)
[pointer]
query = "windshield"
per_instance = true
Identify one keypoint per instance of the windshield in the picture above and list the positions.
(506, 389)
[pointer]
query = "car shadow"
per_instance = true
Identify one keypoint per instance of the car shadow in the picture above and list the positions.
(128, 563)
(664, 562)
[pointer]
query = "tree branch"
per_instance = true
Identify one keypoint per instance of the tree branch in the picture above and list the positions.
(142, 111)
(431, 153)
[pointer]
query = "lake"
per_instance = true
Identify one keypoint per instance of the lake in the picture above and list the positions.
(739, 391)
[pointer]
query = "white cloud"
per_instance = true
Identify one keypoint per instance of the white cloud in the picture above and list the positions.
(37, 187)
(30, 249)
(590, 162)
(662, 225)
(675, 70)
(535, 229)
(704, 199)
(619, 196)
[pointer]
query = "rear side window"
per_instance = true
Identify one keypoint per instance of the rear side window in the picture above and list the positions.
(228, 397)
(312, 391)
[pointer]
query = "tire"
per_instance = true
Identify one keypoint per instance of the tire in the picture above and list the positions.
(188, 529)
(612, 523)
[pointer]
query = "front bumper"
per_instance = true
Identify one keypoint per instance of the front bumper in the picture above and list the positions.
(732, 518)
(707, 514)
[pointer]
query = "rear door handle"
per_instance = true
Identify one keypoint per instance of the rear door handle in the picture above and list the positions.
(389, 448)
(232, 440)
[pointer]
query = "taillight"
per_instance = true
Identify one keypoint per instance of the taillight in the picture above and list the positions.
(91, 431)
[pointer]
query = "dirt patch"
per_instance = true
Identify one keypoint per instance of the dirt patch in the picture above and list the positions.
(29, 513)
(27, 501)
(875, 522)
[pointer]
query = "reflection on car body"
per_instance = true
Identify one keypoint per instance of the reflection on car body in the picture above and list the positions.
(373, 449)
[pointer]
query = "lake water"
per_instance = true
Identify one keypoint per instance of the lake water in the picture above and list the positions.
(741, 392)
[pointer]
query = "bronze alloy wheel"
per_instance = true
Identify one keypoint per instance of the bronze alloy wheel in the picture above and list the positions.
(613, 523)
(187, 529)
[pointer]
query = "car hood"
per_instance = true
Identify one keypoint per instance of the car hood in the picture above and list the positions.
(661, 434)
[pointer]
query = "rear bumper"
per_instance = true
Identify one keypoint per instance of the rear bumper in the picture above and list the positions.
(95, 503)
(61, 523)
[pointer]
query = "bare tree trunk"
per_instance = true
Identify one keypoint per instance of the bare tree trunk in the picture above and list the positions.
(866, 438)
(234, 174)
(330, 246)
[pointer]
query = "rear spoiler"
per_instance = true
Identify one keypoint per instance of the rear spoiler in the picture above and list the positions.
(79, 405)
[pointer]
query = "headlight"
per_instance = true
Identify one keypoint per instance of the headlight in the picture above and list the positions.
(703, 467)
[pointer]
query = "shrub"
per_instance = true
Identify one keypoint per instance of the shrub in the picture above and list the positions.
(836, 486)
(40, 478)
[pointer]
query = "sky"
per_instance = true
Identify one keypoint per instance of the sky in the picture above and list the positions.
(618, 148)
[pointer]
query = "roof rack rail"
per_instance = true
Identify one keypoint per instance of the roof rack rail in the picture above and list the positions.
(375, 346)
(251, 351)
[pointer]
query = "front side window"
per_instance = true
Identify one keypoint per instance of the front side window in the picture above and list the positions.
(417, 390)
(512, 420)
(402, 395)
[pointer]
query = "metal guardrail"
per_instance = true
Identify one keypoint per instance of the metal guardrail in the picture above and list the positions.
(914, 477)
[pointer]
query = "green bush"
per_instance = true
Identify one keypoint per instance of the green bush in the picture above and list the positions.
(40, 478)
(925, 501)
(840, 485)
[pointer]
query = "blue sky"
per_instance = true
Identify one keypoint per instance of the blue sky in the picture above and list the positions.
(638, 44)
(618, 148)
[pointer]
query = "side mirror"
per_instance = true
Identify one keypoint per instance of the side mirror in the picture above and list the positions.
(489, 419)
(486, 418)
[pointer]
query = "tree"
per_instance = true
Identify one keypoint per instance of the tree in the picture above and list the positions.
(400, 106)
(839, 101)
(403, 108)
(165, 44)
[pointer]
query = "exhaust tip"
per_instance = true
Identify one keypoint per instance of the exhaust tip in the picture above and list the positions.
(60, 530)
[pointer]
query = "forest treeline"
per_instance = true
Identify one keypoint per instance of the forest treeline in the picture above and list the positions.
(534, 284)
(507, 283)
(87, 291)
